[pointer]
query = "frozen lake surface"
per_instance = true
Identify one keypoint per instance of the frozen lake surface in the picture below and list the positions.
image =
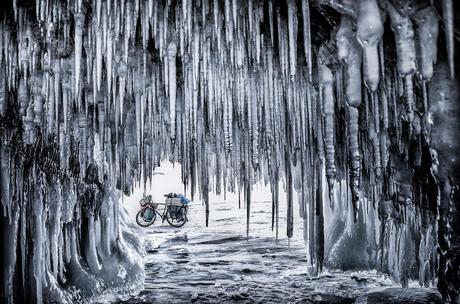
(219, 264)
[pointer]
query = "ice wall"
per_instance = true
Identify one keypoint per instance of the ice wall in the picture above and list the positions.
(63, 239)
(327, 96)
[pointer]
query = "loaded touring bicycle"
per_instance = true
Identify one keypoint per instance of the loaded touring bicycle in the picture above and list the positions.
(174, 211)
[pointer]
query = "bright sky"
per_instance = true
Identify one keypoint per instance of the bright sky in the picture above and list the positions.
(168, 179)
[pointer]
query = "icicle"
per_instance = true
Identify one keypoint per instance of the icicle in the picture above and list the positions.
(292, 27)
(250, 17)
(55, 226)
(109, 62)
(215, 10)
(290, 211)
(405, 47)
(254, 123)
(257, 34)
(319, 219)
(448, 16)
(369, 33)
(326, 87)
(146, 81)
(410, 99)
(354, 156)
(3, 91)
(270, 16)
(127, 31)
(137, 100)
(228, 22)
(228, 118)
(5, 173)
(307, 36)
(427, 37)
(99, 57)
(90, 246)
(375, 134)
(383, 143)
(349, 52)
(38, 238)
(79, 24)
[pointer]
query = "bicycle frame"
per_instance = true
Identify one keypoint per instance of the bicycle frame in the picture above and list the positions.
(167, 215)
(162, 215)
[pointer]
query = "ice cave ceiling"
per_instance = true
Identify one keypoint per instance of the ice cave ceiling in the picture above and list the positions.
(348, 103)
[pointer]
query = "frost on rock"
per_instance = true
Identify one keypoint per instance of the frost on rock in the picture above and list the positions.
(347, 98)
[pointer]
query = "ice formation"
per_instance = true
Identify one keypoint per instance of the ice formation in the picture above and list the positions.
(348, 98)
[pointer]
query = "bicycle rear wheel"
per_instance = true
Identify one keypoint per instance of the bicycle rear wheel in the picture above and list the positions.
(177, 218)
(141, 221)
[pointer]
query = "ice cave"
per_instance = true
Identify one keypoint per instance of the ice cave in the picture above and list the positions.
(345, 112)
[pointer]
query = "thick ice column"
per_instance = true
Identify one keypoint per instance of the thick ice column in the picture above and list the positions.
(9, 254)
(369, 33)
(90, 245)
(38, 243)
(427, 37)
(106, 233)
(54, 218)
(349, 52)
(404, 35)
(405, 49)
(9, 219)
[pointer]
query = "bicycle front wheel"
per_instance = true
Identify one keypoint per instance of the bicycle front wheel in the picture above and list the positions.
(142, 220)
(178, 217)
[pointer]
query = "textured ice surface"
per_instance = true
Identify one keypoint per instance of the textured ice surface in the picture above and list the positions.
(219, 264)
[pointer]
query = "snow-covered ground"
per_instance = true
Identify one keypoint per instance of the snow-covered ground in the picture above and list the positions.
(219, 264)
(225, 214)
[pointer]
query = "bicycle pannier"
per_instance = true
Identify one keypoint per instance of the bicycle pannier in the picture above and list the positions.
(148, 214)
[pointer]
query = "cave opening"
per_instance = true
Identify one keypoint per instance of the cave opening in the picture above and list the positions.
(331, 123)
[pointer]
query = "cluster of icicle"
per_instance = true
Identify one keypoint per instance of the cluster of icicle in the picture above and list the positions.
(240, 91)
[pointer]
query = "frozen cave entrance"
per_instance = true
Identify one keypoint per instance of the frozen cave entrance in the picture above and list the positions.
(343, 114)
(217, 261)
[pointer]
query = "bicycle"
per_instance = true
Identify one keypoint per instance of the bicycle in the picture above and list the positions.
(175, 213)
